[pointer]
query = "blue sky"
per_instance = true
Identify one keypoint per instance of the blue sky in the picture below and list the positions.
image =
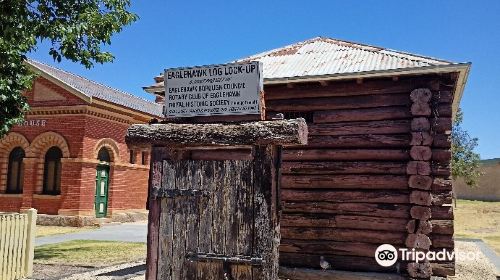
(186, 33)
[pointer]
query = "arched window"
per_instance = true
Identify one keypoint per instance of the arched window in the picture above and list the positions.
(15, 171)
(103, 155)
(52, 171)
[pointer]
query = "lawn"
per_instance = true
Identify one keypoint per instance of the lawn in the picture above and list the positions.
(90, 253)
(478, 219)
(54, 230)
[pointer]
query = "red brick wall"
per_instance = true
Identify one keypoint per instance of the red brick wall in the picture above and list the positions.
(9, 203)
(128, 183)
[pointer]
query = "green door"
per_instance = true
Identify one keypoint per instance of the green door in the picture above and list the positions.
(101, 191)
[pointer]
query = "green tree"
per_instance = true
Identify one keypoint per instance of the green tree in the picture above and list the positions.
(465, 162)
(76, 29)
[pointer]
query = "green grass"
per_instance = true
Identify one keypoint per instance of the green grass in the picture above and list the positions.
(54, 230)
(478, 219)
(90, 253)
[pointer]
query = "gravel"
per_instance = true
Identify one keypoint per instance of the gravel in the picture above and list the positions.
(48, 271)
(480, 268)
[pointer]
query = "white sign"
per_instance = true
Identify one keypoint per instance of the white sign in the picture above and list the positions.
(226, 89)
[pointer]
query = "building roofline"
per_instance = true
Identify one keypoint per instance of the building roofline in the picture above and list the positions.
(462, 68)
(80, 94)
(59, 82)
(393, 52)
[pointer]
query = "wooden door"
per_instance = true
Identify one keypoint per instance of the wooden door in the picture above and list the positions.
(101, 191)
(216, 220)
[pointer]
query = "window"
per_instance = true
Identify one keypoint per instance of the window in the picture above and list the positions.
(103, 155)
(132, 156)
(52, 171)
(15, 171)
(144, 159)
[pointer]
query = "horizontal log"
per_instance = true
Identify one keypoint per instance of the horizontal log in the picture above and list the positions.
(354, 128)
(420, 182)
(441, 155)
(421, 139)
(308, 220)
(441, 184)
(420, 153)
(328, 247)
(421, 168)
(420, 124)
(370, 114)
(345, 181)
(444, 110)
(343, 167)
(420, 109)
(419, 270)
(420, 198)
(234, 154)
(418, 241)
(342, 88)
(443, 269)
(360, 141)
(345, 235)
(277, 132)
(316, 274)
(374, 223)
(361, 209)
(441, 169)
(444, 96)
(334, 103)
(345, 196)
(442, 212)
(442, 125)
(345, 154)
(343, 221)
(351, 263)
(442, 241)
(421, 212)
(442, 227)
(419, 226)
(442, 141)
(440, 198)
(421, 95)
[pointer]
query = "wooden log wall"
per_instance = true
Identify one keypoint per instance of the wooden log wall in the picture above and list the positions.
(376, 170)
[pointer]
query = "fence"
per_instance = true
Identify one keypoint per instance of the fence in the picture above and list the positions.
(17, 243)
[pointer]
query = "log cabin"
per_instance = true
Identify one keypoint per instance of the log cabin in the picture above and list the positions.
(376, 169)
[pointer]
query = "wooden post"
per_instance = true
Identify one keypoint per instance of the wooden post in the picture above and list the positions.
(214, 210)
(30, 242)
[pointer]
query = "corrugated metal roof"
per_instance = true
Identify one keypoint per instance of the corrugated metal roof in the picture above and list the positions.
(322, 56)
(326, 56)
(94, 89)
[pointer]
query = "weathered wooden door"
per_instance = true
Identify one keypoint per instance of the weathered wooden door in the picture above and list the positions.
(216, 218)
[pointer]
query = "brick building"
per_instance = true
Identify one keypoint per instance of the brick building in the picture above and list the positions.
(72, 141)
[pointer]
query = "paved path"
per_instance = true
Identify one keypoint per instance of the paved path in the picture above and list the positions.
(128, 232)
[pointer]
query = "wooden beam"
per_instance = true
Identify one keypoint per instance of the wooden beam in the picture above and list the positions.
(277, 132)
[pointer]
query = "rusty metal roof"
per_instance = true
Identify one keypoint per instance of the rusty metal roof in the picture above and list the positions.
(91, 89)
(325, 56)
(320, 57)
